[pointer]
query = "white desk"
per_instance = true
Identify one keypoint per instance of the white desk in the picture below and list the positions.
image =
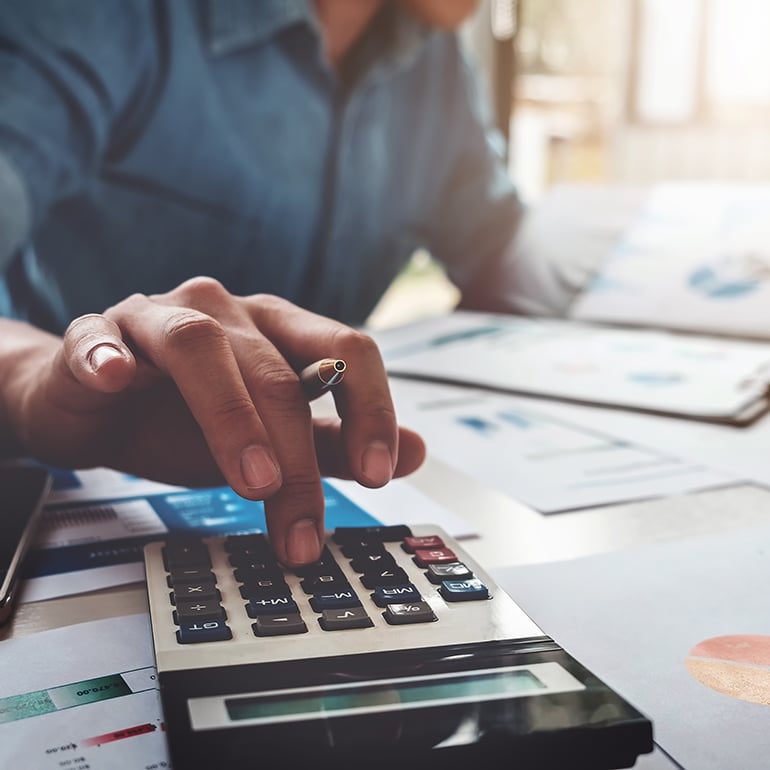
(510, 532)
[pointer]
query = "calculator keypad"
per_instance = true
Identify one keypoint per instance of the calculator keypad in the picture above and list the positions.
(322, 594)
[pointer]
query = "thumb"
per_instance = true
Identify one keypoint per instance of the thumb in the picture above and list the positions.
(95, 355)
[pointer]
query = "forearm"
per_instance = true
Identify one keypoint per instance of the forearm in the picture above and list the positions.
(20, 345)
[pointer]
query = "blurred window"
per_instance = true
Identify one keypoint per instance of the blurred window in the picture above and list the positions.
(702, 61)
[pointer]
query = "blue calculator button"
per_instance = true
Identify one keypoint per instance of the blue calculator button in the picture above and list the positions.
(333, 600)
(463, 590)
(271, 605)
(194, 631)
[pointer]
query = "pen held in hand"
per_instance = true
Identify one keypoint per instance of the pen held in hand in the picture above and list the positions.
(318, 377)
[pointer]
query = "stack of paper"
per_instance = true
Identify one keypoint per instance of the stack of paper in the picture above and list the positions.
(705, 378)
(696, 258)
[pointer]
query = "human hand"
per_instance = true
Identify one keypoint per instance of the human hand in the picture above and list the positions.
(197, 386)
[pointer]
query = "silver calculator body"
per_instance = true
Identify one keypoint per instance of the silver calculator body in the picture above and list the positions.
(396, 649)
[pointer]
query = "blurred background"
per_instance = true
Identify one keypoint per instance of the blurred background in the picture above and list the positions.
(623, 92)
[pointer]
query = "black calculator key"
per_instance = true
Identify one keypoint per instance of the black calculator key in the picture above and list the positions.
(258, 572)
(264, 589)
(189, 575)
(385, 595)
(331, 581)
(204, 590)
(343, 619)
(373, 561)
(363, 546)
(279, 625)
(393, 533)
(453, 570)
(463, 590)
(411, 612)
(185, 553)
(324, 565)
(195, 631)
(273, 605)
(332, 600)
(392, 576)
(253, 562)
(254, 544)
(199, 610)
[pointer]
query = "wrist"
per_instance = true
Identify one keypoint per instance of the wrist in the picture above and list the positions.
(23, 351)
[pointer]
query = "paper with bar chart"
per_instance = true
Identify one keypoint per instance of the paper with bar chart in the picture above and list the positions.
(552, 464)
(696, 258)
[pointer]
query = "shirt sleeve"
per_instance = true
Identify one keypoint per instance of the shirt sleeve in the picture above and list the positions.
(502, 257)
(477, 210)
(68, 73)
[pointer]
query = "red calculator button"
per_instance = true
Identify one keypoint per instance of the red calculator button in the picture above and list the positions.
(411, 544)
(424, 557)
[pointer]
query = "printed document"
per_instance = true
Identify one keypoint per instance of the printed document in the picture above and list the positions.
(705, 378)
(696, 258)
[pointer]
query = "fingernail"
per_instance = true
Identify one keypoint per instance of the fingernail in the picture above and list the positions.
(377, 463)
(258, 467)
(101, 354)
(302, 544)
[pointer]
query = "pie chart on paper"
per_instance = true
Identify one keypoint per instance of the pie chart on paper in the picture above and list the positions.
(738, 666)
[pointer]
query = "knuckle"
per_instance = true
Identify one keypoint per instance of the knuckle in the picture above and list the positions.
(131, 307)
(302, 486)
(188, 328)
(269, 301)
(128, 305)
(235, 410)
(281, 394)
(279, 383)
(203, 289)
(275, 386)
(355, 344)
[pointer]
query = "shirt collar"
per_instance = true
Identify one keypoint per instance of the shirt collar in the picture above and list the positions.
(236, 24)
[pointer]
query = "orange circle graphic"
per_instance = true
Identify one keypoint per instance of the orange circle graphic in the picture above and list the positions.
(738, 666)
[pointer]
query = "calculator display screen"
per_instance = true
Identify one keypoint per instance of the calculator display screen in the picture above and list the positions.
(367, 697)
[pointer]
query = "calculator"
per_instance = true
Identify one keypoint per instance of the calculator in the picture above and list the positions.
(395, 650)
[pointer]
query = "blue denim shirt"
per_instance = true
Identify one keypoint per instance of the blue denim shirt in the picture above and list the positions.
(143, 142)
